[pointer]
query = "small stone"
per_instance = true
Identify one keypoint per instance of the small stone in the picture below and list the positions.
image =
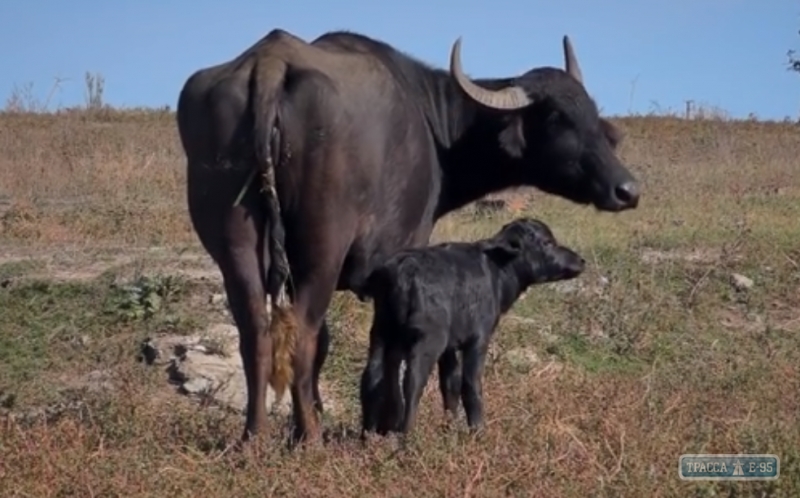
(217, 298)
(149, 352)
(200, 348)
(98, 380)
(741, 283)
(196, 385)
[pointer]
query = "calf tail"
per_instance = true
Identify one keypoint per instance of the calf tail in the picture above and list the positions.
(375, 285)
(382, 286)
(266, 84)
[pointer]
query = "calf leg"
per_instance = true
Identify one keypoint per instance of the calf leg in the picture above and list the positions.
(419, 365)
(450, 381)
(372, 380)
(391, 405)
(471, 383)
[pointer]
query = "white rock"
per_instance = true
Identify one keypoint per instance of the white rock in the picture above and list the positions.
(209, 364)
(197, 385)
(740, 282)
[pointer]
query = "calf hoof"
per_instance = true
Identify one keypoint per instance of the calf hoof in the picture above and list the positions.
(389, 423)
(367, 437)
(388, 428)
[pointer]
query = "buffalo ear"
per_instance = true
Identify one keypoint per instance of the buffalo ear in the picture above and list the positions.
(611, 132)
(503, 252)
(512, 138)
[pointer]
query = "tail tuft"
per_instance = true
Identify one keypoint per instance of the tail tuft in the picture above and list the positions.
(283, 330)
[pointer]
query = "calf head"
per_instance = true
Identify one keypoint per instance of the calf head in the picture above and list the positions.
(552, 135)
(531, 249)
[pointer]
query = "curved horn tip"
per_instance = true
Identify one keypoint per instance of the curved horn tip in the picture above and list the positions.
(456, 49)
(510, 98)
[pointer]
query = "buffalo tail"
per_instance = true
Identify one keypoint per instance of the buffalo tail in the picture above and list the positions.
(267, 82)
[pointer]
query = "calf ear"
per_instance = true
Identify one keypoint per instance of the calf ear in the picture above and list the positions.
(503, 252)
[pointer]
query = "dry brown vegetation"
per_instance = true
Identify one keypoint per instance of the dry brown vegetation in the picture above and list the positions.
(665, 357)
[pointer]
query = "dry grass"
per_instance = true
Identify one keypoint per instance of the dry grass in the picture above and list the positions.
(665, 358)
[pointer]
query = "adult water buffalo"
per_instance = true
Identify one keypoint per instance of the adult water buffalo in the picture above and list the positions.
(361, 149)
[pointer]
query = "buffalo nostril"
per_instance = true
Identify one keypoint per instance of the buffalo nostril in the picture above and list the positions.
(627, 193)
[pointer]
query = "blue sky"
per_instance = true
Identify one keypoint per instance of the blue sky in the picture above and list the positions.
(636, 55)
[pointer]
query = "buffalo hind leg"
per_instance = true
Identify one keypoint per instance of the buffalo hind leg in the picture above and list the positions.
(314, 291)
(323, 345)
(243, 286)
(234, 238)
(247, 299)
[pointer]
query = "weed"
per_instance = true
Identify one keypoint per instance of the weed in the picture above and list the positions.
(143, 298)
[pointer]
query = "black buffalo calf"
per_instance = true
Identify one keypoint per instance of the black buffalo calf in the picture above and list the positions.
(433, 301)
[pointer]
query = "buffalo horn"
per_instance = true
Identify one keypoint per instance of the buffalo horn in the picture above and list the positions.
(571, 62)
(507, 99)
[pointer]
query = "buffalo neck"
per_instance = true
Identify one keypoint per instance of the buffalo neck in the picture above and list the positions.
(472, 162)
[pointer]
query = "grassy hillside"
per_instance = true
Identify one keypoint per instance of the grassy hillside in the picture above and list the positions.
(660, 351)
(116, 175)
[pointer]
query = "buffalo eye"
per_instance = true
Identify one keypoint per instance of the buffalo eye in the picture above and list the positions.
(565, 145)
(563, 137)
(611, 132)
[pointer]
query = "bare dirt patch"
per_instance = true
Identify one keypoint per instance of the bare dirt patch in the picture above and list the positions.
(86, 264)
(697, 255)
